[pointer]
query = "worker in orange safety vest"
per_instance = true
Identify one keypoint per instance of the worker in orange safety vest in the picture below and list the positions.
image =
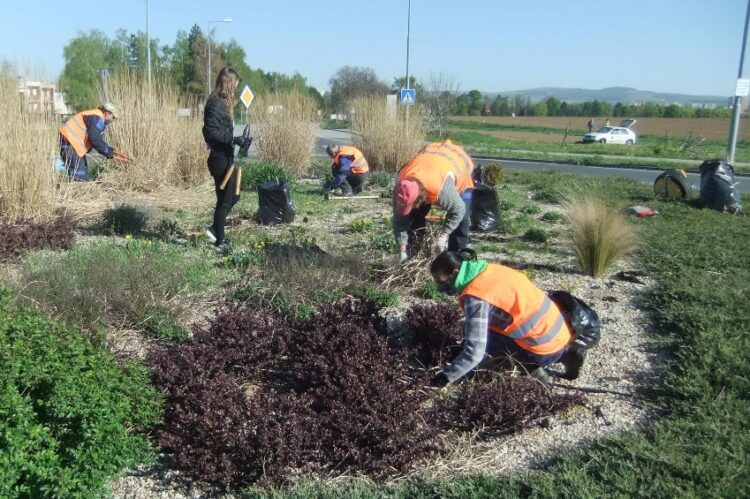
(440, 174)
(350, 170)
(504, 314)
(82, 132)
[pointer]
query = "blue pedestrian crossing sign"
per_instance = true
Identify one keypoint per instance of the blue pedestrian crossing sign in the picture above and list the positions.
(408, 96)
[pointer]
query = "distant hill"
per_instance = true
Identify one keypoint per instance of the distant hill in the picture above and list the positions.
(625, 95)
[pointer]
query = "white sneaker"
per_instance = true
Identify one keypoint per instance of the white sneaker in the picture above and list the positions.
(210, 234)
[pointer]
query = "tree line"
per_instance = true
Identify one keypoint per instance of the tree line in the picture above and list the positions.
(182, 63)
(474, 103)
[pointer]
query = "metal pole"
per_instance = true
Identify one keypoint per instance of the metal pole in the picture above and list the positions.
(408, 28)
(208, 66)
(737, 107)
(148, 51)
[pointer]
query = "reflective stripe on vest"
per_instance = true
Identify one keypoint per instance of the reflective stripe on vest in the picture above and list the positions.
(538, 326)
(75, 132)
(432, 165)
(359, 163)
(460, 153)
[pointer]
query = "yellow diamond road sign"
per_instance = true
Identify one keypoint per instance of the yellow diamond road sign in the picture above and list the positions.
(247, 96)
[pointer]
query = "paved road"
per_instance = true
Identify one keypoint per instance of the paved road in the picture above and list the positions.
(326, 137)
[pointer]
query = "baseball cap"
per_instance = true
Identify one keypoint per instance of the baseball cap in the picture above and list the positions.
(108, 106)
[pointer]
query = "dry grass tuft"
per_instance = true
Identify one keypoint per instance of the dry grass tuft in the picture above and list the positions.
(387, 142)
(415, 272)
(168, 149)
(601, 236)
(27, 147)
(285, 130)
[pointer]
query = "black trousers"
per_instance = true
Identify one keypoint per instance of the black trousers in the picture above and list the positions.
(218, 165)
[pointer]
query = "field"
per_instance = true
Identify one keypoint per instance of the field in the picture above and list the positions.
(673, 348)
(710, 128)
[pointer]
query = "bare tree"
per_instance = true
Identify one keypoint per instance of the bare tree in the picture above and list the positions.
(442, 89)
(351, 82)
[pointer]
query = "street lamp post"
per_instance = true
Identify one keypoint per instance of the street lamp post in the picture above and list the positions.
(408, 26)
(208, 38)
(148, 52)
(737, 104)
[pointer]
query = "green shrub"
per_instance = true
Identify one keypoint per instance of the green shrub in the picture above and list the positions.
(551, 217)
(531, 209)
(536, 235)
(142, 284)
(69, 416)
(256, 173)
(381, 179)
(382, 242)
(167, 228)
(124, 219)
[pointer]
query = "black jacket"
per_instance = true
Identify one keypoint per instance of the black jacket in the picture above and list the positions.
(218, 128)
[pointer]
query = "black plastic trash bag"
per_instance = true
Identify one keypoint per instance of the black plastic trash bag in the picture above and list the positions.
(485, 209)
(275, 203)
(583, 321)
(718, 190)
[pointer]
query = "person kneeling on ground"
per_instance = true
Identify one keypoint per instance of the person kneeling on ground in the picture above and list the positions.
(350, 170)
(440, 174)
(504, 314)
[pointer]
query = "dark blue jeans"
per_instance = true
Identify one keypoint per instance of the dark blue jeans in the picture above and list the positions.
(498, 344)
(78, 168)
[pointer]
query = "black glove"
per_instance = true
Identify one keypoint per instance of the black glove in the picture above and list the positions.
(238, 140)
(110, 154)
(439, 380)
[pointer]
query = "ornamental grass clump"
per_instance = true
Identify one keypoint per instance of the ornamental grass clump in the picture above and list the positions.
(387, 140)
(285, 130)
(28, 145)
(167, 149)
(600, 235)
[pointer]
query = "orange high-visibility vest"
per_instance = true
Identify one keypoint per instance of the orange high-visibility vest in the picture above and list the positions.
(538, 326)
(74, 131)
(435, 162)
(359, 163)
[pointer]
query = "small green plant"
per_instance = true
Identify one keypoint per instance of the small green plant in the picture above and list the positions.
(551, 217)
(382, 180)
(431, 291)
(382, 242)
(536, 235)
(531, 209)
(361, 225)
(601, 236)
(257, 173)
(167, 228)
(383, 298)
(124, 219)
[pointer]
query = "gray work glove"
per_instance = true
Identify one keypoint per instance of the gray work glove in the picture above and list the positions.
(404, 256)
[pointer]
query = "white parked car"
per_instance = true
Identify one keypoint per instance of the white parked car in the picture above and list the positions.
(621, 134)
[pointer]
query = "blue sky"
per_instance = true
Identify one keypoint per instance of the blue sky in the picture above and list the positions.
(684, 46)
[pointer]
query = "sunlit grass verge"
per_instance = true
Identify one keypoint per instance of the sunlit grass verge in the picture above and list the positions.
(285, 130)
(387, 141)
(28, 145)
(600, 235)
(141, 285)
(167, 149)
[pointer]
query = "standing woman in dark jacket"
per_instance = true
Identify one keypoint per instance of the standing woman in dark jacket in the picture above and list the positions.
(218, 132)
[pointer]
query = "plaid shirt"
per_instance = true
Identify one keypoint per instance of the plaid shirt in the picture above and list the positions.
(478, 316)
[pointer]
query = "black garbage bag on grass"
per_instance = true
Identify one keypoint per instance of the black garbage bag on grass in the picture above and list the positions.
(275, 203)
(485, 209)
(583, 321)
(718, 190)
